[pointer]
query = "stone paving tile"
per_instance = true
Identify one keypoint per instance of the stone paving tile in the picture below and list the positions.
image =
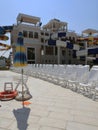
(61, 116)
(58, 109)
(80, 126)
(86, 105)
(5, 122)
(8, 114)
(49, 128)
(39, 107)
(86, 120)
(41, 113)
(4, 129)
(61, 124)
(33, 119)
(89, 114)
(47, 103)
(63, 105)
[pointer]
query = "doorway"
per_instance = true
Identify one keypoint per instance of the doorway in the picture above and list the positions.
(31, 55)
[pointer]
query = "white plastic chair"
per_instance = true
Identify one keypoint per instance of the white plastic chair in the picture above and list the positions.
(68, 74)
(80, 76)
(85, 88)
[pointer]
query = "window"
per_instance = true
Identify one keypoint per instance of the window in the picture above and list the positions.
(36, 35)
(69, 37)
(42, 33)
(46, 41)
(73, 39)
(49, 50)
(42, 40)
(46, 34)
(25, 33)
(30, 34)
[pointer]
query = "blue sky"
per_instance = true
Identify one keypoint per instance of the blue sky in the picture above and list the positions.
(79, 14)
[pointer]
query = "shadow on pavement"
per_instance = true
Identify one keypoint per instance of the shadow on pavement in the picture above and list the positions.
(21, 116)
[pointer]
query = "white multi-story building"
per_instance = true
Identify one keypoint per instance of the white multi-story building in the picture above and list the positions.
(42, 42)
(52, 43)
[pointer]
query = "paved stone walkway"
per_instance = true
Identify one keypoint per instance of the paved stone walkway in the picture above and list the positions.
(52, 108)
